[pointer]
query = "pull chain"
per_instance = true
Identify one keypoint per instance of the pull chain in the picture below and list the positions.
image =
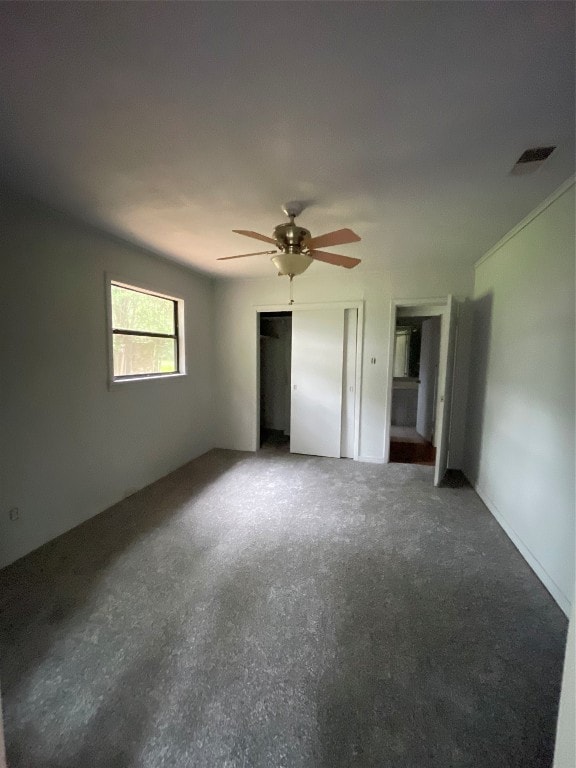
(291, 289)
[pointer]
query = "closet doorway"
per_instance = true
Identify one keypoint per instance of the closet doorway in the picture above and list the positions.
(275, 366)
(308, 375)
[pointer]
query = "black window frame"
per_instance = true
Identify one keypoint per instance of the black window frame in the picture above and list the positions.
(176, 336)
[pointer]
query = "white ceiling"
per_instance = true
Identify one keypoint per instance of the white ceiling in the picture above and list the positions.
(171, 124)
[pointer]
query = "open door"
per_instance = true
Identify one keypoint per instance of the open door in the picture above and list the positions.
(316, 394)
(446, 367)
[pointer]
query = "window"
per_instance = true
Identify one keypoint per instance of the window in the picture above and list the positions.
(146, 339)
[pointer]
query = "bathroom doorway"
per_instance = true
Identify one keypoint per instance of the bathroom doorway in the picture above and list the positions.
(414, 388)
(421, 360)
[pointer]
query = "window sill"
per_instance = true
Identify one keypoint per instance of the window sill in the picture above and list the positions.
(119, 383)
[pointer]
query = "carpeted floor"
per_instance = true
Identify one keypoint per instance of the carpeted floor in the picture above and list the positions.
(281, 611)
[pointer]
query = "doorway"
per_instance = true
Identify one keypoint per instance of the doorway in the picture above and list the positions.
(275, 341)
(308, 372)
(414, 388)
(420, 382)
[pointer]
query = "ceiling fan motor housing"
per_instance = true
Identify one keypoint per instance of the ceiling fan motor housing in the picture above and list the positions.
(291, 238)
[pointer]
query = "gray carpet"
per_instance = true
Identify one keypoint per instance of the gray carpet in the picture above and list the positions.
(281, 611)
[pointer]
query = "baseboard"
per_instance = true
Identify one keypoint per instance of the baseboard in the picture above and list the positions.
(372, 459)
(526, 553)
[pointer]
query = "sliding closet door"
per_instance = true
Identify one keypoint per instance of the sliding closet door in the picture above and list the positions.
(317, 362)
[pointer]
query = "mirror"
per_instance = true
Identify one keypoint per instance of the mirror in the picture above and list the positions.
(407, 351)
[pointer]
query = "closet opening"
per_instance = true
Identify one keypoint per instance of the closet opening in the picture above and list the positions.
(308, 375)
(275, 367)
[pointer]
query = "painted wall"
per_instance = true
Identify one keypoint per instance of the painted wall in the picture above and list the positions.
(565, 752)
(520, 437)
(71, 446)
(236, 338)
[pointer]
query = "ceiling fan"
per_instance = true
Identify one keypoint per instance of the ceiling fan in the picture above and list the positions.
(295, 247)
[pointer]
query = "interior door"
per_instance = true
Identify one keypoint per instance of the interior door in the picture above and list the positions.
(428, 389)
(316, 394)
(446, 366)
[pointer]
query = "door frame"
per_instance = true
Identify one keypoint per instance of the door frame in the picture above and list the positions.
(432, 307)
(358, 305)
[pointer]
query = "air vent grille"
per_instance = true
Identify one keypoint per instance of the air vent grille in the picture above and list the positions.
(536, 155)
(530, 160)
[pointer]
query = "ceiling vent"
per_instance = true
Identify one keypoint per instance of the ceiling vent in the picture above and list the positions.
(530, 160)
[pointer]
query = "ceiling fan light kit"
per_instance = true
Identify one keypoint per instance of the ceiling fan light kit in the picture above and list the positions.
(291, 264)
(297, 247)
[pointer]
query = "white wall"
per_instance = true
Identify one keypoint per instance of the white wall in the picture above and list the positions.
(565, 752)
(520, 437)
(235, 333)
(70, 446)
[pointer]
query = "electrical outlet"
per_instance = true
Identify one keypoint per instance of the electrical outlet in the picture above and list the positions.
(14, 513)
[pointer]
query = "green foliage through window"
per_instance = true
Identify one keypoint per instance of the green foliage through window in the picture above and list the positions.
(144, 333)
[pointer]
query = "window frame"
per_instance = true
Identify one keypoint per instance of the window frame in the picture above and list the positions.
(178, 336)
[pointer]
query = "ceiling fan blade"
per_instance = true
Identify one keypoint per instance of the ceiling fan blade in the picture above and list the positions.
(335, 258)
(242, 255)
(338, 237)
(255, 235)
